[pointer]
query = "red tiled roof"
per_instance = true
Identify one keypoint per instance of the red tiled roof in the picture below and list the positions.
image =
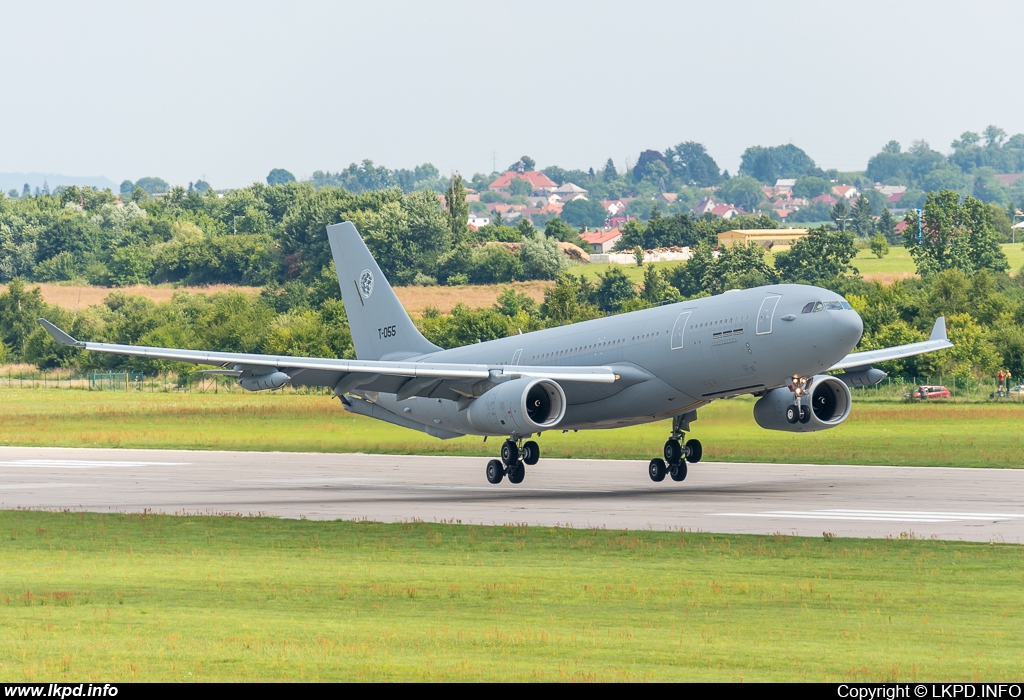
(596, 237)
(895, 197)
(826, 198)
(1009, 178)
(536, 178)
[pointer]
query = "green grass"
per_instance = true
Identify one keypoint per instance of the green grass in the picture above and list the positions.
(91, 597)
(898, 261)
(878, 432)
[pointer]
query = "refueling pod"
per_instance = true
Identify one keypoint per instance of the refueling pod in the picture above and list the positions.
(260, 382)
(518, 407)
(829, 400)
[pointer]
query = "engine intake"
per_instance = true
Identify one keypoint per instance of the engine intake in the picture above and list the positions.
(830, 403)
(518, 407)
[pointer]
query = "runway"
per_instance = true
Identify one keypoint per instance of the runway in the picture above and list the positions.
(847, 501)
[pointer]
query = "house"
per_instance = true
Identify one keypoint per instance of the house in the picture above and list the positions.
(766, 237)
(619, 221)
(894, 198)
(785, 185)
(845, 191)
(601, 241)
(613, 206)
(725, 211)
(667, 197)
(782, 212)
(568, 192)
(704, 206)
(537, 179)
(899, 228)
(1008, 179)
(890, 190)
(478, 220)
(825, 199)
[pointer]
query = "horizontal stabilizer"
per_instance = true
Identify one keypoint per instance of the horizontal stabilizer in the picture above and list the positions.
(937, 341)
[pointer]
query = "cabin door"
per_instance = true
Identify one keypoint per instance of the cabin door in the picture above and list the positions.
(767, 312)
(679, 330)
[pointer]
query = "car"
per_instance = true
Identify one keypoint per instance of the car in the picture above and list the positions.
(927, 392)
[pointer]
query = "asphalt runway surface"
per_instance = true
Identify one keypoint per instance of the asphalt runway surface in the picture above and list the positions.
(847, 501)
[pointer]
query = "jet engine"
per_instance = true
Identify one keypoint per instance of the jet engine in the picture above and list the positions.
(518, 407)
(829, 400)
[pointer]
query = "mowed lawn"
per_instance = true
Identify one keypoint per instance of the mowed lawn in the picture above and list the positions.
(109, 597)
(888, 433)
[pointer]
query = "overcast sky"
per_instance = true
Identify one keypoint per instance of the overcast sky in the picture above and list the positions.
(229, 90)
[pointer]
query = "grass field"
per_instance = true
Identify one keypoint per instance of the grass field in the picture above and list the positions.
(91, 597)
(960, 435)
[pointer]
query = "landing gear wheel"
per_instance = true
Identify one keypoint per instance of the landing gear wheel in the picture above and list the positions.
(694, 451)
(531, 452)
(673, 451)
(678, 471)
(805, 414)
(792, 413)
(509, 453)
(656, 469)
(495, 471)
(517, 473)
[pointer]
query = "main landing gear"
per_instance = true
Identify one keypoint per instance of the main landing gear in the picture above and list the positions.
(798, 412)
(678, 451)
(515, 455)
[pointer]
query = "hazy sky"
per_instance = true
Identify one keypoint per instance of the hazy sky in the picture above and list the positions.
(229, 90)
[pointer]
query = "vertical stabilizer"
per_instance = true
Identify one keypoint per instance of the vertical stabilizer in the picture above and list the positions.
(381, 329)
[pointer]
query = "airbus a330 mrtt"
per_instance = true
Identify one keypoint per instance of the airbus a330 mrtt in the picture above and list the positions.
(777, 342)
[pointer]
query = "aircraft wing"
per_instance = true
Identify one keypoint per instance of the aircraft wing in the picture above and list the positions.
(330, 370)
(936, 341)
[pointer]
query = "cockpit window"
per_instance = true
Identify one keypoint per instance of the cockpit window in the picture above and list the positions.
(818, 306)
(846, 305)
(833, 306)
(807, 308)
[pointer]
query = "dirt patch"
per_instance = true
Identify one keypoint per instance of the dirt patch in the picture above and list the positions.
(475, 296)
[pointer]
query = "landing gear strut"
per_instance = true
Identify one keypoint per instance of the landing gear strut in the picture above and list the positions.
(798, 412)
(677, 452)
(515, 455)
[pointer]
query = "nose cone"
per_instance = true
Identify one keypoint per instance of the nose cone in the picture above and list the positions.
(848, 328)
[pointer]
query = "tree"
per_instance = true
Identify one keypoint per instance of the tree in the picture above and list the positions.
(279, 176)
(557, 229)
(819, 256)
(692, 165)
(457, 209)
(153, 185)
(609, 173)
(879, 245)
(127, 187)
(614, 290)
(541, 257)
(743, 191)
(520, 187)
(644, 164)
(954, 234)
(769, 164)
(810, 186)
(840, 214)
(584, 212)
(886, 225)
(863, 222)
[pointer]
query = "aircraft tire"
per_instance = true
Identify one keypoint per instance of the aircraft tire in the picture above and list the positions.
(517, 473)
(694, 451)
(805, 414)
(495, 472)
(792, 413)
(656, 469)
(673, 452)
(678, 471)
(531, 453)
(509, 453)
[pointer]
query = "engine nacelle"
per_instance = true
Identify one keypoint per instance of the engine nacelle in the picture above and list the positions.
(260, 382)
(830, 402)
(518, 407)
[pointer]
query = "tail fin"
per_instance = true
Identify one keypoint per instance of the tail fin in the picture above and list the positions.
(381, 329)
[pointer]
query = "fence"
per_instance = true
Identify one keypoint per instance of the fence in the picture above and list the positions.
(961, 390)
(129, 380)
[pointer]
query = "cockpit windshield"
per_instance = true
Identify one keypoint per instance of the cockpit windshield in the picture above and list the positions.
(814, 307)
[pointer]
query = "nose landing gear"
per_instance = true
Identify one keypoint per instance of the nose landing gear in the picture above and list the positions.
(677, 452)
(515, 455)
(798, 412)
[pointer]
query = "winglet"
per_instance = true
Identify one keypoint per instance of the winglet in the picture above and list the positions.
(939, 329)
(59, 335)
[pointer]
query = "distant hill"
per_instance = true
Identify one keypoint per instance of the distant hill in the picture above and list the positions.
(15, 181)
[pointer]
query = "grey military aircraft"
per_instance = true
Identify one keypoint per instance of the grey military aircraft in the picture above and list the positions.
(776, 342)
